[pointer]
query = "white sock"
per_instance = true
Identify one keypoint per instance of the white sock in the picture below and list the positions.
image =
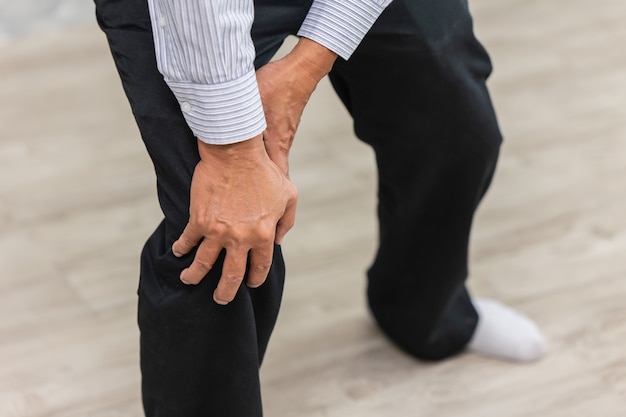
(505, 333)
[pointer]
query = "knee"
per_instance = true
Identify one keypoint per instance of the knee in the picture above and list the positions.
(424, 343)
(427, 343)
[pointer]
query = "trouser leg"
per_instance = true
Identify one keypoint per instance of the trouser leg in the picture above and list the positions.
(416, 90)
(197, 358)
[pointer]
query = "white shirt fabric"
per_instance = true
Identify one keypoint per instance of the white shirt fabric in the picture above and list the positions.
(205, 52)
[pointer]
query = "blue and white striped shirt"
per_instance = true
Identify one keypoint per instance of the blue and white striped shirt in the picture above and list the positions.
(205, 52)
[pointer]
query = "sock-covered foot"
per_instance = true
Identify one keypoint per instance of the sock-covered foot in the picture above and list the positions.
(505, 333)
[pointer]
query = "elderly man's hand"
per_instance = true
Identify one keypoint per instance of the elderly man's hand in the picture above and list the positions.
(241, 202)
(286, 86)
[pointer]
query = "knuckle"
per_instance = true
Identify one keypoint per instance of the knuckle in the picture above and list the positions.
(261, 267)
(187, 241)
(238, 237)
(194, 222)
(200, 223)
(265, 234)
(203, 264)
(218, 228)
(232, 279)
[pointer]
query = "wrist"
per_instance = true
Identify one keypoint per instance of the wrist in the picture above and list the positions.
(314, 58)
(250, 150)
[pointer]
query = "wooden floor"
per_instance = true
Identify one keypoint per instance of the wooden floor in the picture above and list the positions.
(77, 200)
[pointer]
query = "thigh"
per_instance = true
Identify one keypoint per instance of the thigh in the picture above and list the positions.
(420, 75)
(197, 358)
(168, 140)
(416, 90)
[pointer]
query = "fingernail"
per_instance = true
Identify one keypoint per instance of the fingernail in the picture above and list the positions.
(176, 253)
(253, 286)
(220, 302)
(182, 277)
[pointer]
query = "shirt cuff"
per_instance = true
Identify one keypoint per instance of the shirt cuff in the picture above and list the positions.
(222, 113)
(340, 25)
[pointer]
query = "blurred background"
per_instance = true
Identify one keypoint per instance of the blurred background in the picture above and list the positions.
(77, 200)
(31, 17)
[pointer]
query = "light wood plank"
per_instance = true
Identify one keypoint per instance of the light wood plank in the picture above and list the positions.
(77, 200)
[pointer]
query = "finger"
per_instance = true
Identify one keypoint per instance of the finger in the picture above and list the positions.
(232, 275)
(288, 220)
(260, 263)
(202, 263)
(187, 240)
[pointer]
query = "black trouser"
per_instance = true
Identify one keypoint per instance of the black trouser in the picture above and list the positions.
(416, 90)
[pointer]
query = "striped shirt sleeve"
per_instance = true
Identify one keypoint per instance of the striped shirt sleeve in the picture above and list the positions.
(206, 55)
(205, 52)
(340, 25)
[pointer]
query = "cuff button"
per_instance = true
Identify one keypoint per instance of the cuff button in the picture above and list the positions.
(185, 107)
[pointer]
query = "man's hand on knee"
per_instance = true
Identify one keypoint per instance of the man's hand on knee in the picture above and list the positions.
(241, 202)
